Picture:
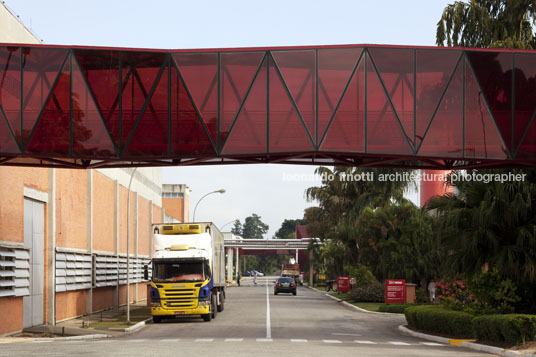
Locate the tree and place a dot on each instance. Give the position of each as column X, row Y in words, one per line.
column 237, row 228
column 488, row 23
column 254, row 228
column 288, row 228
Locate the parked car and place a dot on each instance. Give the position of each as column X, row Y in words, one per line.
column 246, row 273
column 285, row 284
column 259, row 273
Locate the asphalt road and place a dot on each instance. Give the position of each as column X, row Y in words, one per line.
column 255, row 322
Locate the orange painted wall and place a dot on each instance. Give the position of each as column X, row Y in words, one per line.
column 103, row 298
column 10, row 314
column 142, row 291
column 103, row 213
column 71, row 207
column 122, row 218
column 174, row 208
column 70, row 304
column 12, row 182
column 123, row 294
column 144, row 226
column 157, row 214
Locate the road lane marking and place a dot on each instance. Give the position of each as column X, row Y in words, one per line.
column 298, row 340
column 365, row 342
column 268, row 327
column 331, row 341
column 141, row 340
column 170, row 340
column 264, row 340
column 204, row 340
column 431, row 344
column 397, row 343
column 234, row 339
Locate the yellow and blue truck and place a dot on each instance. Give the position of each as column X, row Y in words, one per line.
column 188, row 271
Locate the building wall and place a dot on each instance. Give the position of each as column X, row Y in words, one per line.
column 70, row 304
column 13, row 31
column 175, row 208
column 144, row 227
column 103, row 205
column 10, row 315
column 71, row 209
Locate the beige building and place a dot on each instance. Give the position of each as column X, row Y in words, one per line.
column 63, row 233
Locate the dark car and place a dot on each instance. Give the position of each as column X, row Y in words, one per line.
column 246, row 273
column 285, row 285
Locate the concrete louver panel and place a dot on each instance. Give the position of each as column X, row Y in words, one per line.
column 14, row 271
column 73, row 271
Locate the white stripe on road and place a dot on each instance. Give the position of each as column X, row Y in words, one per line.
column 264, row 340
column 268, row 327
column 346, row 334
column 297, row 340
column 399, row 343
column 170, row 340
column 234, row 339
column 137, row 340
column 331, row 341
column 204, row 340
column 365, row 342
column 431, row 344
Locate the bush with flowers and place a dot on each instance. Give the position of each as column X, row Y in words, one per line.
column 453, row 294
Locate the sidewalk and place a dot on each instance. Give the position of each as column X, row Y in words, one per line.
column 102, row 324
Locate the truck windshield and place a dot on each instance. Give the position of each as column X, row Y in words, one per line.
column 183, row 271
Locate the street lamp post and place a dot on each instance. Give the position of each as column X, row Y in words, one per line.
column 217, row 191
column 228, row 223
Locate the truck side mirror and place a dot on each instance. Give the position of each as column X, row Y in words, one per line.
column 145, row 272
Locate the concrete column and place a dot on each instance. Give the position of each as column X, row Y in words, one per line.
column 238, row 267
column 151, row 229
column 51, row 248
column 311, row 268
column 116, row 239
column 297, row 256
column 89, row 232
column 136, row 227
column 230, row 264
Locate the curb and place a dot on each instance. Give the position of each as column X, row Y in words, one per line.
column 351, row 305
column 132, row 328
column 471, row 345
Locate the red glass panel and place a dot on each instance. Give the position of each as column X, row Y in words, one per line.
column 445, row 134
column 10, row 87
column 90, row 137
column 200, row 74
column 384, row 132
column 493, row 71
column 395, row 67
column 51, row 134
column 482, row 140
column 248, row 135
column 287, row 132
column 335, row 68
column 236, row 75
column 139, row 72
column 346, row 132
column 151, row 135
column 188, row 136
column 41, row 67
column 7, row 142
column 298, row 71
column 101, row 70
column 525, row 92
column 434, row 69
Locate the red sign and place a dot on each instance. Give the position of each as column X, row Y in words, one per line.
column 395, row 291
column 343, row 284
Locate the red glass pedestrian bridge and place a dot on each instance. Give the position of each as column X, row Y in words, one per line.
column 353, row 105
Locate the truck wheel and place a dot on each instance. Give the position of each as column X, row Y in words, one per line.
column 221, row 305
column 213, row 306
column 207, row 317
column 157, row 319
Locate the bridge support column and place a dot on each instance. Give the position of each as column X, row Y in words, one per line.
column 238, row 268
column 297, row 262
column 230, row 264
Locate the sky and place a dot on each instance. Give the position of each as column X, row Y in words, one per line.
column 274, row 192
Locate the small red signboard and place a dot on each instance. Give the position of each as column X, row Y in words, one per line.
column 395, row 291
column 343, row 284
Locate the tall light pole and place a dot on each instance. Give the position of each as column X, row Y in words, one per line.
column 228, row 223
column 217, row 191
column 128, row 247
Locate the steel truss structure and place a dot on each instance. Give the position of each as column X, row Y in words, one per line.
column 352, row 105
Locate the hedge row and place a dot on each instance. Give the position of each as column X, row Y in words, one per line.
column 511, row 329
column 436, row 319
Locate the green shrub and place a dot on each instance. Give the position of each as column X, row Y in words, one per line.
column 435, row 319
column 370, row 293
column 492, row 294
column 511, row 329
column 421, row 296
column 394, row 308
column 362, row 274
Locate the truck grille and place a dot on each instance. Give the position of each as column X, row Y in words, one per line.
column 179, row 299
